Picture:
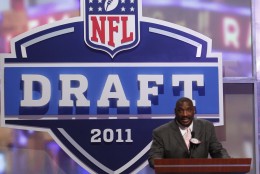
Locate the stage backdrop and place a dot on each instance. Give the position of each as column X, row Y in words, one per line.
column 100, row 83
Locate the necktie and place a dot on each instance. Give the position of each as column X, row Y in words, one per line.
column 187, row 137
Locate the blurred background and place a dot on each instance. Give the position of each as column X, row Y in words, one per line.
column 233, row 25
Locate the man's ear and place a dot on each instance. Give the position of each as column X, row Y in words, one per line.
column 194, row 109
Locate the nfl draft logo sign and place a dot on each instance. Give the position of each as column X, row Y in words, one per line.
column 111, row 25
column 100, row 83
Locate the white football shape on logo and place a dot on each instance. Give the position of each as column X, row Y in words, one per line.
column 110, row 4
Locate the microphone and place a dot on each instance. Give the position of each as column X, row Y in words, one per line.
column 191, row 144
column 192, row 134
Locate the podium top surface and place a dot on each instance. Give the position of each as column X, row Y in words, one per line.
column 202, row 165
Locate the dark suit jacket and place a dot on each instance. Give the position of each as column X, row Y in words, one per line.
column 169, row 143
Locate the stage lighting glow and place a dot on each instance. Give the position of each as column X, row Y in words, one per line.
column 33, row 24
column 49, row 8
column 51, row 20
column 65, row 16
column 5, row 5
column 8, row 38
column 53, row 147
column 2, row 163
column 197, row 4
column 22, row 139
column 161, row 2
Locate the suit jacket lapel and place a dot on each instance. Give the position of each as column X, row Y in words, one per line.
column 197, row 129
column 177, row 135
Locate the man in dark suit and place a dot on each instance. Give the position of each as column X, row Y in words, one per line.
column 169, row 139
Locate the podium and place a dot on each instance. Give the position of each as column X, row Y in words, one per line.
column 202, row 165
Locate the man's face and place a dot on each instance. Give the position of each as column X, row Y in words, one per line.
column 184, row 113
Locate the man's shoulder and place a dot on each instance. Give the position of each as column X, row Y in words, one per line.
column 165, row 126
column 203, row 122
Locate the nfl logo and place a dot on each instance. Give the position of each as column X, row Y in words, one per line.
column 111, row 25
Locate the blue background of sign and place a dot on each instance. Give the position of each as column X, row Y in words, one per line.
column 153, row 47
column 97, row 77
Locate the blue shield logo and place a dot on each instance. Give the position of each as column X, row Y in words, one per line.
column 101, row 108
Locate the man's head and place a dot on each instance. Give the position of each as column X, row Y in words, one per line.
column 184, row 111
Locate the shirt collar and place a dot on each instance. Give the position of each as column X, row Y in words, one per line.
column 183, row 129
